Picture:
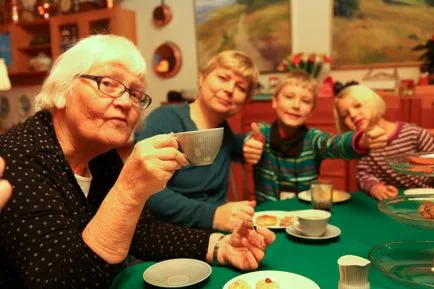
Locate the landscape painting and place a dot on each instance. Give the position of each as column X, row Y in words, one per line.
column 372, row 32
column 260, row 28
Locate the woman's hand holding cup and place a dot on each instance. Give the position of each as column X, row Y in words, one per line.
column 150, row 166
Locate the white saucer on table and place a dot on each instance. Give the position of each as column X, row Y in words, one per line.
column 177, row 273
column 338, row 196
column 330, row 233
column 285, row 280
column 278, row 214
column 419, row 191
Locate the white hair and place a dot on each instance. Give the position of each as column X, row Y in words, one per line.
column 89, row 52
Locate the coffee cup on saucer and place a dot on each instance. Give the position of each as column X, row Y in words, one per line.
column 312, row 222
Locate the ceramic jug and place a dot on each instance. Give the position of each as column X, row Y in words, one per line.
column 354, row 271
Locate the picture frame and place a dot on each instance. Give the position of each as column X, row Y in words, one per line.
column 260, row 28
column 369, row 34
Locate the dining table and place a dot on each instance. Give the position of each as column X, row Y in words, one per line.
column 363, row 226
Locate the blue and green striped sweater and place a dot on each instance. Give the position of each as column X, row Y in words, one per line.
column 295, row 174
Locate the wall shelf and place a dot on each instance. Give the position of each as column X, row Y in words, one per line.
column 63, row 31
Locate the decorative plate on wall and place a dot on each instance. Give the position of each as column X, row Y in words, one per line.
column 4, row 107
column 24, row 105
column 167, row 60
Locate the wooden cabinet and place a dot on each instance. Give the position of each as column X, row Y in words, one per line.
column 103, row 21
column 62, row 31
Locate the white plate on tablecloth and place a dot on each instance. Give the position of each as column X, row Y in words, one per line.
column 338, row 196
column 278, row 214
column 177, row 273
column 419, row 191
column 286, row 280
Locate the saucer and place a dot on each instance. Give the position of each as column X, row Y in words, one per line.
column 177, row 273
column 330, row 233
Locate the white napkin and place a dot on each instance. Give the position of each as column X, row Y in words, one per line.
column 5, row 83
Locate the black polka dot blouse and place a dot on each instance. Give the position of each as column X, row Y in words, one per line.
column 41, row 226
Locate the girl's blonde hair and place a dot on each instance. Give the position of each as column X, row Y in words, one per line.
column 363, row 94
column 87, row 53
column 238, row 62
column 299, row 78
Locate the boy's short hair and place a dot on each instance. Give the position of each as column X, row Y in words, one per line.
column 299, row 78
column 364, row 95
column 238, row 62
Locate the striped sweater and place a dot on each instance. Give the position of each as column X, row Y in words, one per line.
column 295, row 174
column 373, row 169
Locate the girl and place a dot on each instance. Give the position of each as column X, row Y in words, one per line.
column 356, row 108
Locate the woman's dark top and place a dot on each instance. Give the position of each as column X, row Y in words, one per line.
column 41, row 226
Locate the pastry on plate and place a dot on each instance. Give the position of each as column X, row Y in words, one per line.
column 266, row 220
column 426, row 210
column 286, row 221
column 267, row 283
column 239, row 284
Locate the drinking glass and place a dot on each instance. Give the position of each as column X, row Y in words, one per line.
column 322, row 195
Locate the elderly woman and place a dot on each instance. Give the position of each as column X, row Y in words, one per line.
column 5, row 186
column 77, row 210
column 197, row 196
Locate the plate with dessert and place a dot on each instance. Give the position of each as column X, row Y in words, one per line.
column 416, row 210
column 274, row 219
column 416, row 163
column 338, row 196
column 270, row 280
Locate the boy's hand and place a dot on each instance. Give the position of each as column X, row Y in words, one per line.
column 254, row 146
column 375, row 137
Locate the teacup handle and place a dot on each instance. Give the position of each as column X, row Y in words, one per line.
column 296, row 227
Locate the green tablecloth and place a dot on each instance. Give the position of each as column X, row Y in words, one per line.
column 363, row 227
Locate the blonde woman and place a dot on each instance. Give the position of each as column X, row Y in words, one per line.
column 197, row 196
column 356, row 107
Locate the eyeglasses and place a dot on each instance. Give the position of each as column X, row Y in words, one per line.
column 115, row 89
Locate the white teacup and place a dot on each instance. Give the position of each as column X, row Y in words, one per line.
column 201, row 146
column 312, row 222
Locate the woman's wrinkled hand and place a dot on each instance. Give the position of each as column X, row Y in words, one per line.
column 245, row 247
column 230, row 215
column 150, row 166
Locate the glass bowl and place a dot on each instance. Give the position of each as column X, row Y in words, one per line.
column 405, row 210
column 402, row 165
column 409, row 262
